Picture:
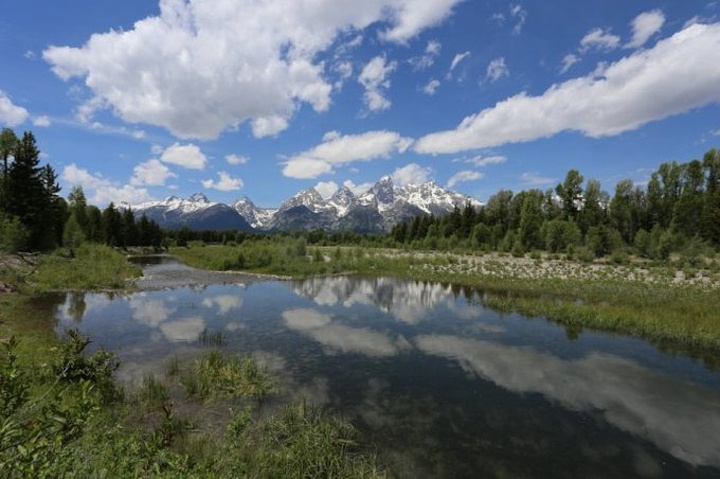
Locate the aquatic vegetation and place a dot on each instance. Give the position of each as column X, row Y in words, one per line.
column 216, row 375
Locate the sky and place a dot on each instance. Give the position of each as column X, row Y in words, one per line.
column 140, row 100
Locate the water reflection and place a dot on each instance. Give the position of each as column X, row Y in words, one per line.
column 407, row 301
column 678, row 417
column 444, row 386
column 340, row 338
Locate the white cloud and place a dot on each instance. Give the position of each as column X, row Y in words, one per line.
column 234, row 159
column 716, row 132
column 336, row 149
column 481, row 161
column 345, row 69
column 268, row 125
column 42, row 121
column 497, row 69
column 105, row 191
column 411, row 174
column 10, row 114
column 431, row 87
column 465, row 175
column 534, row 179
column 412, row 16
column 521, row 14
column 433, row 47
column 326, row 188
column 618, row 97
column 568, row 61
column 226, row 183
column 427, row 60
column 202, row 67
column 644, row 26
column 156, row 149
column 357, row 189
column 374, row 78
column 457, row 59
column 599, row 39
column 187, row 156
column 151, row 173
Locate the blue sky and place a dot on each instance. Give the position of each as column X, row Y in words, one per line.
column 140, row 100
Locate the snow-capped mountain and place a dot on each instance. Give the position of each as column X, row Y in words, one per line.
column 376, row 210
column 259, row 218
column 196, row 213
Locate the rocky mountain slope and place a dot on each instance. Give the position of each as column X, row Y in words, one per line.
column 374, row 211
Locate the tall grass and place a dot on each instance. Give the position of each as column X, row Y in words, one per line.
column 92, row 267
column 216, row 375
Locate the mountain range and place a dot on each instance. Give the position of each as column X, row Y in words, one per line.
column 376, row 210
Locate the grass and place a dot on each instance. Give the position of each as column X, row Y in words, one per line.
column 93, row 267
column 216, row 375
column 629, row 298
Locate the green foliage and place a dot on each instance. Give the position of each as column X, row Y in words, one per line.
column 92, row 267
column 13, row 234
column 603, row 240
column 558, row 235
column 73, row 235
column 216, row 375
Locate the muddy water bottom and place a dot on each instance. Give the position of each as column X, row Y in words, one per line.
column 443, row 386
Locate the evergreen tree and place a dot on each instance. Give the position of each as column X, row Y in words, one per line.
column 31, row 193
column 112, row 226
column 129, row 228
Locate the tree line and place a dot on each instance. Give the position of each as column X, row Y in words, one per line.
column 33, row 215
column 679, row 207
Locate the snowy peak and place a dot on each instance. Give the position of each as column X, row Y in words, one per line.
column 342, row 200
column 198, row 198
column 309, row 197
column 377, row 210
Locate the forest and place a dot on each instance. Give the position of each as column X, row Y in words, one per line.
column 678, row 209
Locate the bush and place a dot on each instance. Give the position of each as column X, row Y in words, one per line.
column 603, row 240
column 13, row 234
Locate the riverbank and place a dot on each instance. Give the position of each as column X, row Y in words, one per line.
column 658, row 301
column 63, row 414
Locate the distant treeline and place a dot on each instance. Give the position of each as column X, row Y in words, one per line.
column 679, row 206
column 33, row 216
column 678, row 209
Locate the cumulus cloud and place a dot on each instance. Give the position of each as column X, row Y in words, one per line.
column 411, row 174
column 10, row 114
column 187, row 156
column 236, row 159
column 337, row 149
column 151, row 173
column 497, row 69
column 465, row 175
column 412, row 16
column 357, row 189
column 202, row 67
column 644, row 26
column 615, row 98
column 374, row 78
column 326, row 188
column 104, row 190
column 599, row 39
column 568, row 61
column 225, row 183
column 431, row 87
column 42, row 121
column 534, row 179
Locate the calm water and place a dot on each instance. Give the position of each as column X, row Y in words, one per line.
column 443, row 386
